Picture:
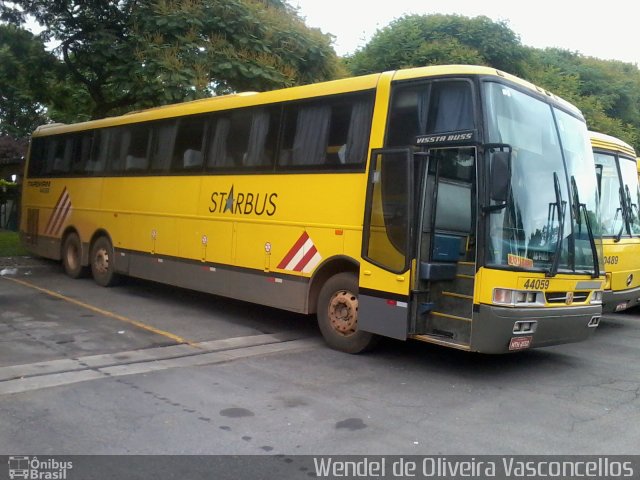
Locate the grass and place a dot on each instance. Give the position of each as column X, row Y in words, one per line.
column 10, row 244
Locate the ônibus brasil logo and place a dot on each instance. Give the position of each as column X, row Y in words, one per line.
column 32, row 468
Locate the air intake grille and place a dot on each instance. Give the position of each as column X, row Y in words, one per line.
column 561, row 297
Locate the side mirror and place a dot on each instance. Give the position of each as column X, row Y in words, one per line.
column 500, row 175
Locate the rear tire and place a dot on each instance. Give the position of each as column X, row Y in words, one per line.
column 103, row 263
column 72, row 256
column 338, row 315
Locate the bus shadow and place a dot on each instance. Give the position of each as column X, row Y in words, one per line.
column 431, row 358
column 261, row 318
column 409, row 354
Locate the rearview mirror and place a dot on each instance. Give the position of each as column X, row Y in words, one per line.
column 500, row 176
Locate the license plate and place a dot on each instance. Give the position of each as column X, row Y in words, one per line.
column 520, row 343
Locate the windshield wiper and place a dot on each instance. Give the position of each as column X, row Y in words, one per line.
column 625, row 214
column 631, row 206
column 592, row 241
column 553, row 270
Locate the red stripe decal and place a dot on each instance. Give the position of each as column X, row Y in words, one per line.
column 55, row 211
column 305, row 259
column 292, row 252
column 64, row 208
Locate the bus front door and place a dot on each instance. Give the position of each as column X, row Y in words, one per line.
column 442, row 296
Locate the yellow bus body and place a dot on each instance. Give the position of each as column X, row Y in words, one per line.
column 621, row 255
column 232, row 234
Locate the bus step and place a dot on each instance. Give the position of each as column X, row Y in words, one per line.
column 456, row 328
column 466, row 268
column 440, row 340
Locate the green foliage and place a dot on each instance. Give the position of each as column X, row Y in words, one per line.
column 419, row 40
column 10, row 244
column 25, row 73
column 607, row 91
column 133, row 54
column 118, row 56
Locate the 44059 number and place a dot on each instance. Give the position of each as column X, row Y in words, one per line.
column 536, row 284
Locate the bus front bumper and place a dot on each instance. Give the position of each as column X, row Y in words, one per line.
column 504, row 329
column 621, row 300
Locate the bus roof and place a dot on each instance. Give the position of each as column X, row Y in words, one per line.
column 246, row 99
column 608, row 142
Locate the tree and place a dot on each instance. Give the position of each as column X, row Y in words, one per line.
column 607, row 91
column 136, row 53
column 419, row 40
column 25, row 71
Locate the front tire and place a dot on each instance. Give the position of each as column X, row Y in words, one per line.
column 338, row 315
column 72, row 256
column 103, row 263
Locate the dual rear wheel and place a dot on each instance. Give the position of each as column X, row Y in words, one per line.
column 101, row 259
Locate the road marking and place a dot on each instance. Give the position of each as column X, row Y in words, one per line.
column 228, row 351
column 176, row 338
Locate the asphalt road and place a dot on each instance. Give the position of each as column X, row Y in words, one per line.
column 147, row 369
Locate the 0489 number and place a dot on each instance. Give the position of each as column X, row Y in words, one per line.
column 536, row 284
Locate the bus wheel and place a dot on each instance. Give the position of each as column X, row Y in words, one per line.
column 338, row 315
column 72, row 256
column 102, row 262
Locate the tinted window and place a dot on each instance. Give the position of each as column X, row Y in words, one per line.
column 428, row 108
column 81, row 152
column 164, row 135
column 99, row 152
column 60, row 151
column 189, row 144
column 244, row 139
column 37, row 157
column 326, row 132
column 135, row 142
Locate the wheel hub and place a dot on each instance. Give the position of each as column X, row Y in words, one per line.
column 101, row 261
column 343, row 312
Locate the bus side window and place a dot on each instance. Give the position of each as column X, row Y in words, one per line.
column 187, row 151
column 99, row 152
column 238, row 138
column 217, row 154
column 354, row 149
column 37, row 157
column 62, row 150
column 306, row 131
column 163, row 139
column 262, row 139
column 326, row 132
column 135, row 147
column 81, row 152
column 115, row 156
column 245, row 139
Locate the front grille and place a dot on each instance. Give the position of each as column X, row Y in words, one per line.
column 561, row 297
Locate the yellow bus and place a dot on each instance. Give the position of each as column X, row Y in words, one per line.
column 616, row 168
column 448, row 204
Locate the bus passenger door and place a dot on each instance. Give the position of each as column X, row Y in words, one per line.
column 388, row 244
column 442, row 296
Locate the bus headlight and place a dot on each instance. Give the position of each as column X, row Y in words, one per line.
column 517, row 298
column 502, row 296
column 596, row 297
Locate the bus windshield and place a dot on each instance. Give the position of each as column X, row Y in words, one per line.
column 550, row 215
column 631, row 193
